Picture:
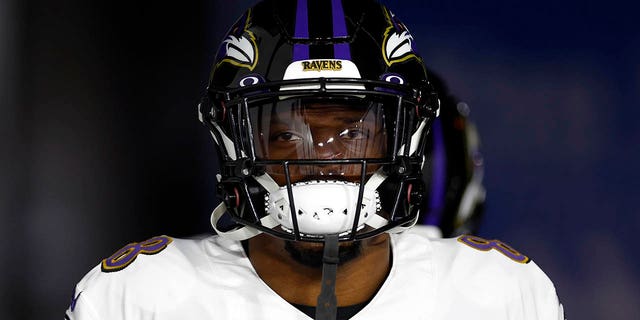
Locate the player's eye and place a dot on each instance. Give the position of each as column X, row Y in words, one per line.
column 285, row 136
column 353, row 134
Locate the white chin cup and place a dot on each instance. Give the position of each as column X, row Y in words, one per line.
column 323, row 206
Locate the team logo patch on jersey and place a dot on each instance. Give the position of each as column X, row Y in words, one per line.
column 125, row 256
column 398, row 42
column 239, row 47
column 321, row 65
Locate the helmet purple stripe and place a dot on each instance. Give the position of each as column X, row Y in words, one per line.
column 340, row 50
column 301, row 51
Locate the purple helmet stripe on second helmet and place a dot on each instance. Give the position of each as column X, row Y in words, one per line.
column 301, row 51
column 438, row 176
column 340, row 50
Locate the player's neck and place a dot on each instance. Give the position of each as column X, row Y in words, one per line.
column 357, row 280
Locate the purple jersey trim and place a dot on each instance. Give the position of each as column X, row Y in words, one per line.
column 301, row 51
column 74, row 300
column 340, row 50
column 438, row 177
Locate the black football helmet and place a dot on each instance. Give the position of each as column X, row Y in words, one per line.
column 320, row 111
column 455, row 196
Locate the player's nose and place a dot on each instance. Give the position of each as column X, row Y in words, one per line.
column 327, row 148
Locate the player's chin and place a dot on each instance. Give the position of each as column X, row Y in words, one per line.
column 310, row 253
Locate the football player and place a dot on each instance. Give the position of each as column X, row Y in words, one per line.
column 320, row 110
column 454, row 200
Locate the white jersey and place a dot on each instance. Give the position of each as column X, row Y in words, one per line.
column 212, row 278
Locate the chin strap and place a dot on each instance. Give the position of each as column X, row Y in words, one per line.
column 244, row 232
column 378, row 177
column 240, row 233
column 377, row 221
column 327, row 303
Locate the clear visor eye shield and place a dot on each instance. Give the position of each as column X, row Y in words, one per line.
column 303, row 159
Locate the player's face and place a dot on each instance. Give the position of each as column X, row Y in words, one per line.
column 324, row 130
column 319, row 129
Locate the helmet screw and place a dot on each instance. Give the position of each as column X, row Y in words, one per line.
column 244, row 167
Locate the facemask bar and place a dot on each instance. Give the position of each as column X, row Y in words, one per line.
column 241, row 166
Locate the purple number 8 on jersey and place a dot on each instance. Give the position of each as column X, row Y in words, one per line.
column 486, row 245
column 125, row 256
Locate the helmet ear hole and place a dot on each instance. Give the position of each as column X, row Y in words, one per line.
column 219, row 111
column 210, row 112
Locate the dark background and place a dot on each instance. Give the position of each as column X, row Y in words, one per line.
column 100, row 144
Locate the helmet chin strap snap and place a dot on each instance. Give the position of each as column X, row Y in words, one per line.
column 327, row 303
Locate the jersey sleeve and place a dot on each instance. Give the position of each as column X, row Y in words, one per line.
column 534, row 296
column 80, row 307
column 494, row 281
column 131, row 283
